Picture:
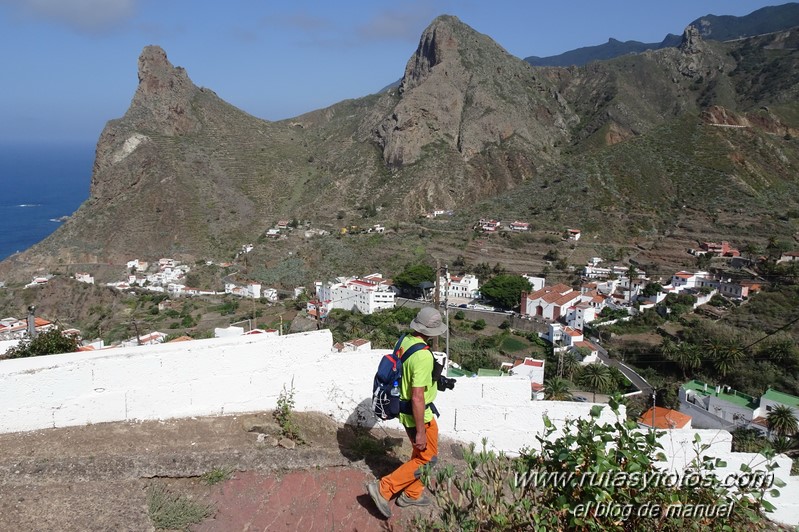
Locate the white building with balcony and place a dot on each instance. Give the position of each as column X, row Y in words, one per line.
column 365, row 295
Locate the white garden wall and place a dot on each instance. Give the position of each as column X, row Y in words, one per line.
column 247, row 374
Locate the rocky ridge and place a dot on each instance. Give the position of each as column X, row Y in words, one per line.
column 185, row 174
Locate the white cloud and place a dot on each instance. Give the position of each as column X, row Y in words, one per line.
column 81, row 15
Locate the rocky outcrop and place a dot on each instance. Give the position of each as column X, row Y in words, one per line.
column 463, row 92
column 163, row 97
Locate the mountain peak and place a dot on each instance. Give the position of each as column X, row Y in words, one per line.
column 439, row 41
column 691, row 40
column 164, row 94
column 462, row 92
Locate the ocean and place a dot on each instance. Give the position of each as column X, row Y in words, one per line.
column 40, row 183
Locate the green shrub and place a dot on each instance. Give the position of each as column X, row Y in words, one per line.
column 284, row 415
column 52, row 342
column 558, row 487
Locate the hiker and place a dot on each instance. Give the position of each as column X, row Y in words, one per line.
column 418, row 388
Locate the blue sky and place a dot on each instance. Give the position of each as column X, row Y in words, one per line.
column 70, row 65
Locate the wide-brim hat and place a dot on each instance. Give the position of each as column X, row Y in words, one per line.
column 428, row 322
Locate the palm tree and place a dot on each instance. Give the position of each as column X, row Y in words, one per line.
column 596, row 377
column 557, row 389
column 570, row 365
column 782, row 421
column 687, row 357
column 632, row 273
column 723, row 354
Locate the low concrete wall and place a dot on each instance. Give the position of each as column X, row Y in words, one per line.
column 248, row 373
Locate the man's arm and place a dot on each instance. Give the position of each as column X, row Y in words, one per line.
column 418, row 408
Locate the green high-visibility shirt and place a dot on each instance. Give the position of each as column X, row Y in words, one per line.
column 417, row 372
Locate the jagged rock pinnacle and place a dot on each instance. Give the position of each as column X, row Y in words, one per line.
column 691, row 41
column 164, row 94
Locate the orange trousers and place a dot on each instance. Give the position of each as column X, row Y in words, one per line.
column 406, row 477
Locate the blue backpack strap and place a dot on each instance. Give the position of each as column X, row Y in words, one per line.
column 412, row 349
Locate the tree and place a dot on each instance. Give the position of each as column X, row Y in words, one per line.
column 723, row 354
column 751, row 250
column 409, row 280
column 652, row 289
column 505, row 290
column 687, row 357
column 632, row 273
column 557, row 389
column 596, row 377
column 570, row 365
column 50, row 342
column 782, row 421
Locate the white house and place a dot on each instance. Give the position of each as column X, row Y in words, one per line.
column 683, row 280
column 84, row 278
column 138, row 265
column 519, row 226
column 536, row 283
column 581, row 314
column 453, row 286
column 365, row 295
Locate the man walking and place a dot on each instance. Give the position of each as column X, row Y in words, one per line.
column 417, row 388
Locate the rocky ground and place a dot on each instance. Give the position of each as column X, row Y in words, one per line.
column 98, row 477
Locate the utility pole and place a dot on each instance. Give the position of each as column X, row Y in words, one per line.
column 446, row 304
column 136, row 328
column 32, row 322
column 437, row 298
column 654, row 400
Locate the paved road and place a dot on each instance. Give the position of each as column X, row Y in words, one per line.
column 637, row 380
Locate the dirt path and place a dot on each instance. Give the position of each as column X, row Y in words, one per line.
column 97, row 477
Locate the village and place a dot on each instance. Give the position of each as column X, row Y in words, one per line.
column 560, row 312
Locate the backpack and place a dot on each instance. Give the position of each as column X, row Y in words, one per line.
column 388, row 379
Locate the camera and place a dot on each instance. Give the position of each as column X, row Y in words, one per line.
column 445, row 383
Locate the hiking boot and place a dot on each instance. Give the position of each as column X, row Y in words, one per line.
column 403, row 501
column 374, row 492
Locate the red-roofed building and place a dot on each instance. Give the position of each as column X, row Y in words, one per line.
column 551, row 302
column 722, row 250
column 519, row 226
column 531, row 368
column 664, row 419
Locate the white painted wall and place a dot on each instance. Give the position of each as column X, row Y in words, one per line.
column 247, row 373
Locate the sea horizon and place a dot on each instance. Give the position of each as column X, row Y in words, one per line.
column 42, row 182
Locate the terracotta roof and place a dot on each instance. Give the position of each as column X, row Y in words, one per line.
column 761, row 421
column 665, row 418
column 181, row 339
column 537, row 387
column 586, row 344
column 359, row 342
column 533, row 362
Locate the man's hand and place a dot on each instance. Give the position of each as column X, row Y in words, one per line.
column 421, row 438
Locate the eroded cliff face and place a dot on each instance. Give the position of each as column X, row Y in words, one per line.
column 463, row 91
column 161, row 106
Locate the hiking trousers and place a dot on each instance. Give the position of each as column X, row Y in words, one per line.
column 406, row 477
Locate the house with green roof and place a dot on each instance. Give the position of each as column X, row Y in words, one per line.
column 721, row 407
column 716, row 407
